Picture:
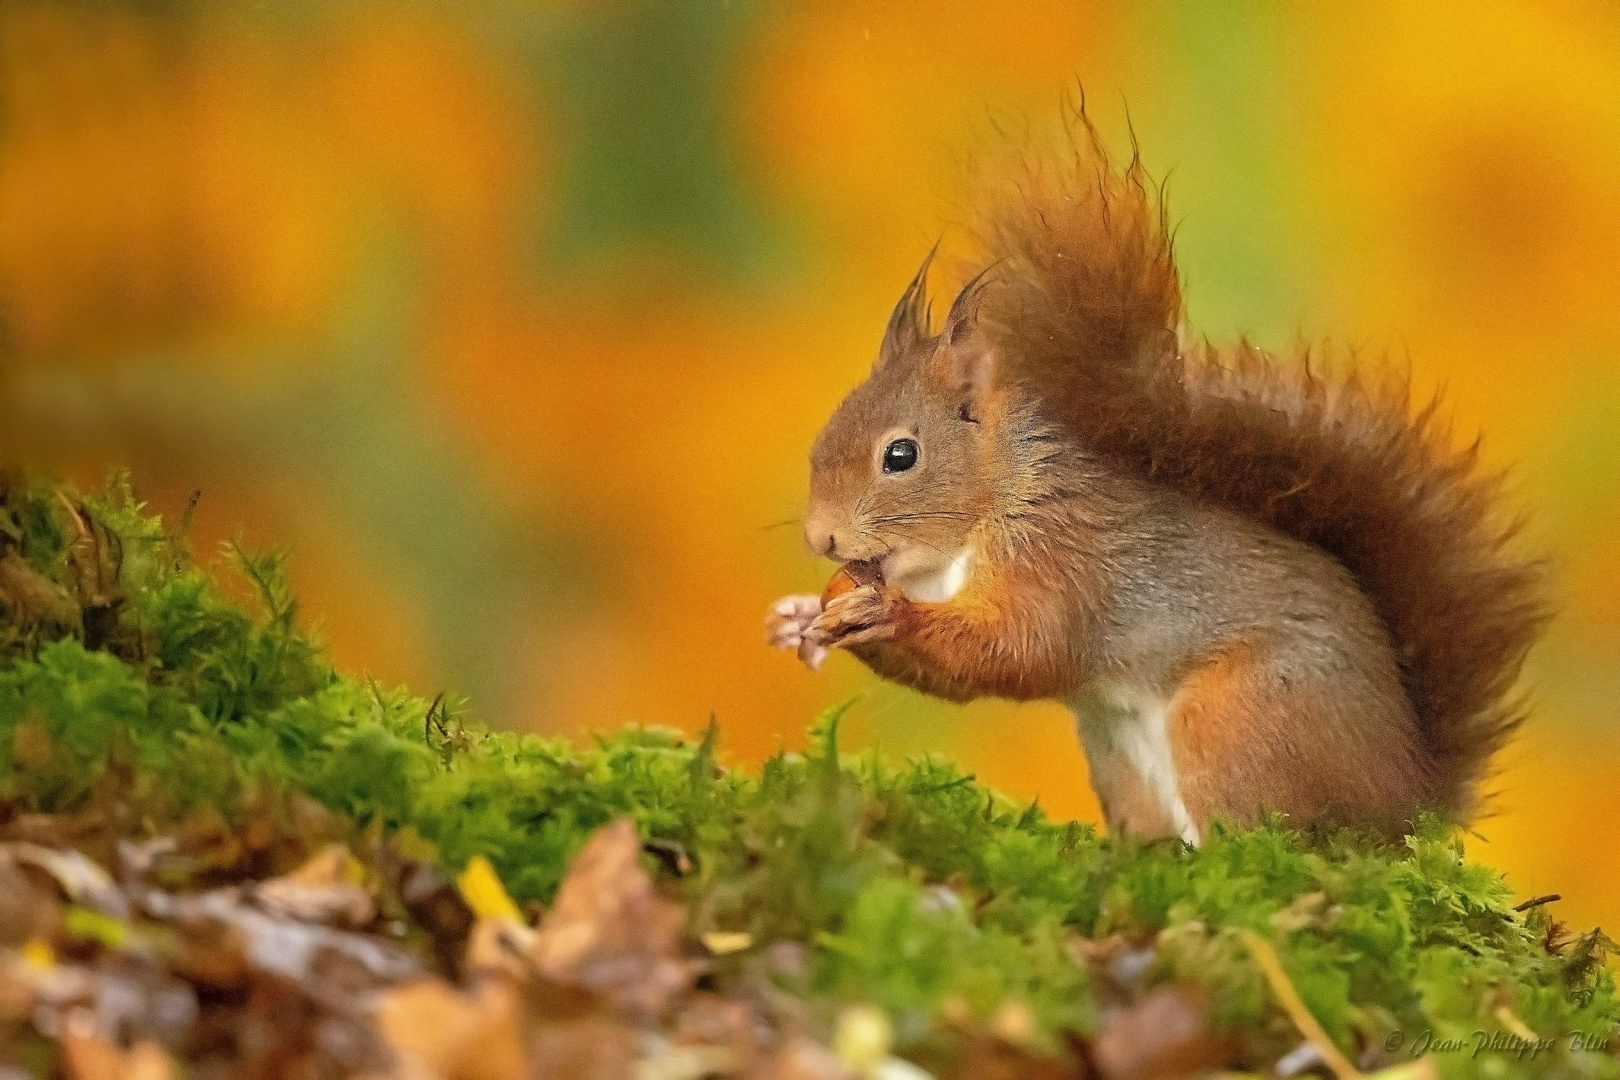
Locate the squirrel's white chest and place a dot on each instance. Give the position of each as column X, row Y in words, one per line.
column 1126, row 734
column 931, row 581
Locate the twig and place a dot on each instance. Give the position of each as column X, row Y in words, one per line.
column 1266, row 957
column 1537, row 901
column 1508, row 1019
column 432, row 718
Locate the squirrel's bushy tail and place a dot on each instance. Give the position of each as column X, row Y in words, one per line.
column 1086, row 310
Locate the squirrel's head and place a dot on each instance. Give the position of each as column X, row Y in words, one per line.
column 904, row 469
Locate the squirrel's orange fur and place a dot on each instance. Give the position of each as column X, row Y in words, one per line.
column 1259, row 586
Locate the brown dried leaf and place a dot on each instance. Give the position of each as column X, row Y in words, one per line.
column 1119, row 964
column 16, row 988
column 984, row 1058
column 609, row 932
column 91, row 1057
column 209, row 845
column 1306, row 910
column 211, row 954
column 51, row 830
column 688, row 1063
column 498, row 945
column 95, row 556
column 323, row 890
column 434, row 904
column 587, row 1048
column 28, row 910
column 31, row 745
column 802, row 1058
column 79, row 878
column 455, row 1035
column 29, row 600
column 146, row 1060
column 285, row 947
column 287, row 1028
column 1013, row 1023
column 709, row 1019
column 1165, row 1035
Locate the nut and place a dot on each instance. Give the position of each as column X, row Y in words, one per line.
column 852, row 575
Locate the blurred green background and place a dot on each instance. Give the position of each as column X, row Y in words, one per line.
column 514, row 321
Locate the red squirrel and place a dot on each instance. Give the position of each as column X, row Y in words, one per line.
column 1257, row 586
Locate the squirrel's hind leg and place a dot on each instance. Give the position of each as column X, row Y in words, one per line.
column 1255, row 730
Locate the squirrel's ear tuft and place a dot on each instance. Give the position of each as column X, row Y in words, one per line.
column 908, row 325
column 964, row 314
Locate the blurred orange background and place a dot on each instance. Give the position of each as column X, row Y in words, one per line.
column 514, row 321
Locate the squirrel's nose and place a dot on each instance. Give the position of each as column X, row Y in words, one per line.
column 821, row 539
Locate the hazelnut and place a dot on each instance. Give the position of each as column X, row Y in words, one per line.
column 852, row 575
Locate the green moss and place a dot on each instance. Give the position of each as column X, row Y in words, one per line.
column 907, row 886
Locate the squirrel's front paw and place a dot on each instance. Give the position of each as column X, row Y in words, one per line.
column 787, row 625
column 857, row 617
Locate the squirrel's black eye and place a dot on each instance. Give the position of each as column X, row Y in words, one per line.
column 900, row 455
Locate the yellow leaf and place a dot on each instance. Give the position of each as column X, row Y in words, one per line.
column 722, row 942
column 484, row 892
column 862, row 1037
column 37, row 953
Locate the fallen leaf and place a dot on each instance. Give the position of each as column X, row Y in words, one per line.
column 79, row 878
column 893, row 1068
column 1013, row 1022
column 1306, row 910
column 146, row 1060
column 687, row 1063
column 609, row 932
column 453, row 1034
column 435, row 904
column 484, row 893
column 862, row 1036
column 37, row 954
column 984, row 1057
column 1122, row 964
column 587, row 1048
column 91, row 1057
column 136, row 858
column 16, row 987
column 88, row 925
column 708, row 1018
column 500, row 945
column 278, row 945
column 28, row 908
column 210, row 953
column 29, row 599
column 1165, row 1035
column 723, row 943
column 326, row 889
column 801, row 1058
